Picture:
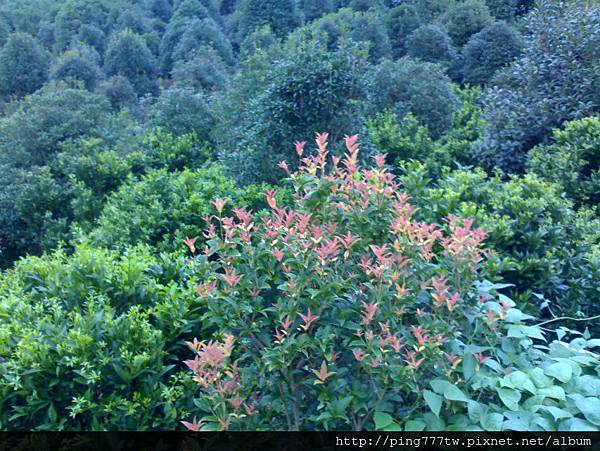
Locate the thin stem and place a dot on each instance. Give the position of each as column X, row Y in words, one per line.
column 569, row 318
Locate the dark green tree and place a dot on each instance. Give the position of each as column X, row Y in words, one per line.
column 401, row 21
column 281, row 15
column 313, row 9
column 494, row 47
column 78, row 64
column 557, row 79
column 263, row 38
column 465, row 19
column 509, row 9
column 181, row 110
column 119, row 92
column 203, row 69
column 46, row 120
column 307, row 89
column 78, row 18
column 23, row 66
column 413, row 86
column 365, row 28
column 203, row 32
column 430, row 43
column 128, row 55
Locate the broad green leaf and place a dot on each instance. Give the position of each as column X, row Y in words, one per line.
column 561, row 371
column 382, row 420
column 539, row 378
column 433, row 423
column 555, row 392
column 468, row 366
column 450, row 391
column 590, row 408
column 518, row 380
column 557, row 414
column 492, row 421
column 414, row 425
column 509, row 397
column 590, row 385
column 476, row 410
column 520, row 331
column 434, row 401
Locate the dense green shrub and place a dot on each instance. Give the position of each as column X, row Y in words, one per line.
column 163, row 208
column 79, row 64
column 572, row 160
column 46, row 120
column 493, row 48
column 119, row 92
column 519, row 387
column 430, row 43
column 82, row 19
column 509, row 9
column 281, row 15
column 181, row 110
column 23, row 66
column 128, row 55
column 307, row 88
column 202, row 69
column 200, row 33
column 409, row 85
column 543, row 246
column 314, row 9
column 88, row 342
column 366, row 28
column 465, row 19
column 401, row 21
column 554, row 81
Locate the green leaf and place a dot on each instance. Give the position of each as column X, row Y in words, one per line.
column 561, row 371
column 509, row 397
column 492, row 421
column 557, row 414
column 382, row 420
column 555, row 392
column 450, row 391
column 590, row 385
column 525, row 331
column 468, row 366
column 414, row 426
column 590, row 408
column 539, row 378
column 518, row 379
column 476, row 410
column 434, row 401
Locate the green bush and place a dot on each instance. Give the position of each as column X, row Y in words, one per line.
column 572, row 160
column 430, row 43
column 519, row 386
column 543, row 246
column 409, row 85
column 87, row 342
column 23, row 66
column 163, row 208
column 555, row 80
column 333, row 310
column 488, row 51
column 406, row 138
column 465, row 19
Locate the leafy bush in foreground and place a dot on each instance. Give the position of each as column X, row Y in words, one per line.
column 328, row 312
column 572, row 160
column 163, row 208
column 87, row 341
column 544, row 246
column 347, row 312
